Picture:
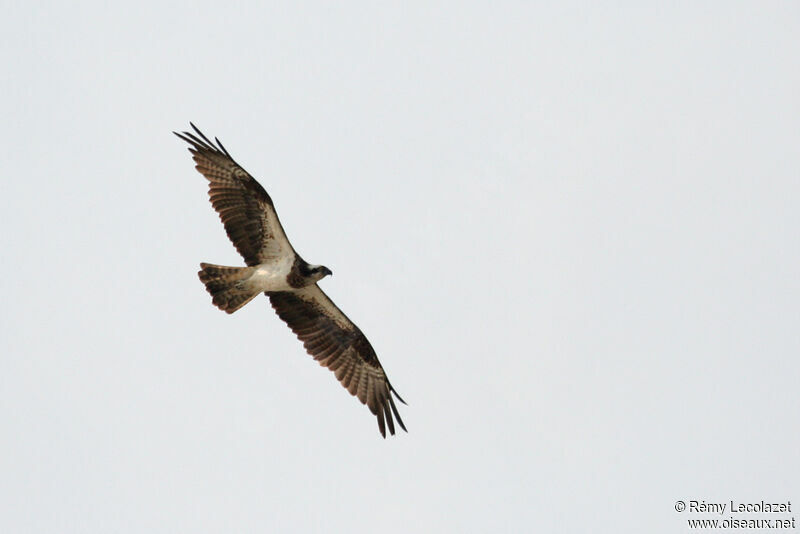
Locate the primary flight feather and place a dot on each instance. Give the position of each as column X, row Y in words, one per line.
column 274, row 268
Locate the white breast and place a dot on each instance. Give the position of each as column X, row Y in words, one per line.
column 272, row 276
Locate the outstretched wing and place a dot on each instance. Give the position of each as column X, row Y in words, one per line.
column 336, row 343
column 243, row 205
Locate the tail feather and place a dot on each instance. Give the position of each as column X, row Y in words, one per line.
column 227, row 285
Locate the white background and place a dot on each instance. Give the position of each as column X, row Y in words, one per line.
column 571, row 234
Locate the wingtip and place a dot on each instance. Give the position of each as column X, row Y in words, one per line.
column 224, row 150
column 397, row 414
column 381, row 423
column 399, row 397
column 389, row 420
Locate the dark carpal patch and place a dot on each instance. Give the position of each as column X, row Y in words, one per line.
column 298, row 276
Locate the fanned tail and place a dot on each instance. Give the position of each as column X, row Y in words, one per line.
column 227, row 285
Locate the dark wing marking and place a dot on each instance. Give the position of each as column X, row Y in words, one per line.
column 336, row 343
column 243, row 205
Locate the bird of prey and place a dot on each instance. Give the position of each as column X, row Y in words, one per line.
column 274, row 268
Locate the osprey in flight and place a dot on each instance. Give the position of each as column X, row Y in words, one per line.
column 274, row 268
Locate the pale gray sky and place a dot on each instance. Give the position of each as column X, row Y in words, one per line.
column 571, row 233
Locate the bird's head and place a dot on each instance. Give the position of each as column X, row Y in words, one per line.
column 318, row 272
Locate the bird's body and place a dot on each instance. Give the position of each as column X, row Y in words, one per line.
column 275, row 269
column 272, row 276
column 233, row 287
